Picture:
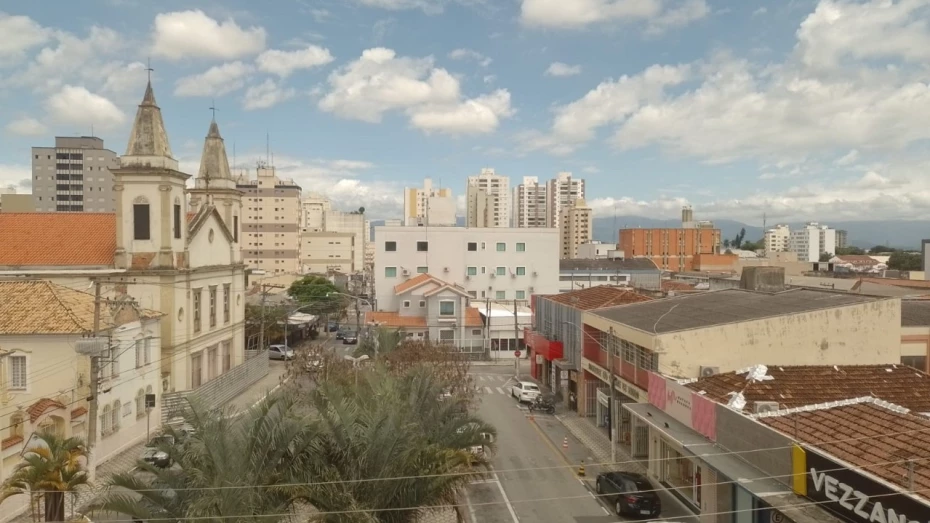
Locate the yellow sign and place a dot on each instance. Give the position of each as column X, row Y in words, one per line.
column 622, row 385
column 799, row 470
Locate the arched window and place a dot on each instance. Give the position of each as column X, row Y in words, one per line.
column 17, row 421
column 117, row 408
column 105, row 419
column 140, row 403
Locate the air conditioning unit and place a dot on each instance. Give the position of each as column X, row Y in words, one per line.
column 494, row 275
column 761, row 407
column 532, row 290
column 405, row 272
column 535, row 273
column 446, row 269
column 709, row 371
column 467, row 277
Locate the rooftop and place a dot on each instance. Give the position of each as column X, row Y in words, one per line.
column 799, row 385
column 42, row 307
column 696, row 311
column 866, row 433
column 597, row 297
column 857, row 259
column 37, row 239
column 631, row 264
column 915, row 313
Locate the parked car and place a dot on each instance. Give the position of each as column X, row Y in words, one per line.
column 350, row 338
column 154, row 454
column 340, row 335
column 332, row 327
column 524, row 391
column 630, row 493
column 280, row 352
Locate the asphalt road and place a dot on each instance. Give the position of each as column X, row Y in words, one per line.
column 532, row 481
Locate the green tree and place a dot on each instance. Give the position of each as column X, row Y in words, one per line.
column 905, row 261
column 274, row 322
column 738, row 241
column 726, row 243
column 318, row 293
column 387, row 341
column 843, row 251
column 878, row 249
column 752, row 245
column 825, row 256
column 51, row 466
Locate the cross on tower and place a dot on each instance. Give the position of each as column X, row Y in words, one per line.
column 213, row 108
column 149, row 69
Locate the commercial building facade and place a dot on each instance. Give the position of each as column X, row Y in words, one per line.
column 271, row 222
column 488, row 200
column 331, row 240
column 640, row 273
column 670, row 249
column 73, row 176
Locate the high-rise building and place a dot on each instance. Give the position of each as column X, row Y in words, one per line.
column 562, row 191
column 488, row 196
column 812, row 240
column 313, row 209
column 271, row 222
column 428, row 206
column 575, row 228
column 530, row 204
column 331, row 240
column 841, row 238
column 73, row 176
column 776, row 239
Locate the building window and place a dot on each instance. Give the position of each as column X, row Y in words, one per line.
column 501, row 247
column 521, row 295
column 212, row 362
column 917, row 362
column 501, row 271
column 148, row 350
column 115, row 413
column 140, row 403
column 18, row 376
column 472, row 246
column 406, row 304
column 447, row 336
column 196, row 370
column 422, row 270
column 422, row 246
column 473, row 294
column 227, row 356
column 177, row 221
column 213, row 306
column 476, row 332
column 521, row 271
column 472, row 271
column 422, row 303
column 140, row 353
column 17, row 422
column 226, row 298
column 114, row 361
column 447, row 308
column 236, row 229
column 390, row 272
column 390, row 246
column 500, row 295
column 521, row 247
column 141, row 225
column 197, row 300
column 105, row 420
column 629, row 352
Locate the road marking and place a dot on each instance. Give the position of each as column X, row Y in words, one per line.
column 471, row 509
column 549, row 443
column 513, row 513
column 488, row 389
column 500, row 390
column 605, row 510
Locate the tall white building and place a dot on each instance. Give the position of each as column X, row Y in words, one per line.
column 776, row 239
column 488, row 196
column 562, row 191
column 331, row 240
column 810, row 241
column 530, row 204
column 490, row 263
column 429, row 206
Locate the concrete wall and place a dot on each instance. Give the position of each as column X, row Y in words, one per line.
column 216, row 392
column 737, row 433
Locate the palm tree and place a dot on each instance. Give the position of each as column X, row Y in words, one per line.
column 52, row 465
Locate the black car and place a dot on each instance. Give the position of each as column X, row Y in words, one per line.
column 154, row 454
column 340, row 335
column 630, row 493
column 350, row 338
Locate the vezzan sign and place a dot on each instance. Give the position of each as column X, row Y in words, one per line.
column 857, row 498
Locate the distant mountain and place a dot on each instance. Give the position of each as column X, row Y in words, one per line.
column 905, row 234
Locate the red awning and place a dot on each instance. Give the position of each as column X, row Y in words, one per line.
column 551, row 350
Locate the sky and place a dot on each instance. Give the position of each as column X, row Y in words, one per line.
column 796, row 109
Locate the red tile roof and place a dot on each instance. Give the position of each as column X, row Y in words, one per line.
column 40, row 407
column 674, row 285
column 55, row 239
column 869, row 434
column 473, row 317
column 799, row 385
column 896, row 282
column 9, row 442
column 858, row 259
column 597, row 297
column 191, row 216
column 412, row 282
column 394, row 319
column 78, row 412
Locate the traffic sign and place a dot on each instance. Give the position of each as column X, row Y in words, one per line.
column 516, row 353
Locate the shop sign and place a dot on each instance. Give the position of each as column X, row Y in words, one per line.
column 857, row 499
column 602, row 398
column 622, row 385
column 678, row 402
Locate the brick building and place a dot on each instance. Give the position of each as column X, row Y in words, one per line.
column 672, row 249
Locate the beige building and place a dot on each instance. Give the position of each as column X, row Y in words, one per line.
column 575, row 228
column 270, row 222
column 331, row 240
column 428, row 206
column 562, row 191
column 530, row 204
column 312, row 209
column 10, row 201
column 488, row 200
column 74, row 176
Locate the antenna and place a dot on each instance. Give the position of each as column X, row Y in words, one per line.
column 234, row 156
column 267, row 146
column 92, row 130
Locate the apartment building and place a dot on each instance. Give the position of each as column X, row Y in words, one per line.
column 812, row 240
column 270, row 222
column 575, row 228
column 312, row 209
column 530, row 203
column 331, row 240
column 562, row 191
column 776, row 239
column 842, row 237
column 428, row 206
column 488, row 263
column 598, row 250
column 488, row 196
column 670, row 249
column 74, row 175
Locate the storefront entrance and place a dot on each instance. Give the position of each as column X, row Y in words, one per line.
column 679, row 473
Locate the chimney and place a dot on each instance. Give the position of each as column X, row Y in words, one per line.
column 763, row 279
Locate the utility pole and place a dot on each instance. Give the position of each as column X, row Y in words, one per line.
column 516, row 340
column 261, row 334
column 94, row 386
column 614, row 414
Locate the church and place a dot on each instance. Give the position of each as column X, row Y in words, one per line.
column 169, row 248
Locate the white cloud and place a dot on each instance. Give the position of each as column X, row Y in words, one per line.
column 27, row 126
column 193, row 34
column 74, row 105
column 679, row 16
column 848, row 158
column 760, row 11
column 381, row 82
column 580, row 13
column 470, row 54
column 72, row 58
column 15, row 175
column 591, row 169
column 20, row 34
column 124, row 79
column 283, row 63
column 427, row 6
column 562, row 69
column 266, row 94
column 215, row 81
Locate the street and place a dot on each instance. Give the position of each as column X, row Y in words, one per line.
column 533, row 482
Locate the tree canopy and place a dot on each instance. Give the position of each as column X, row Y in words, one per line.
column 905, row 261
column 318, row 294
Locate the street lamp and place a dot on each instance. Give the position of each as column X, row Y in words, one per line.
column 355, row 362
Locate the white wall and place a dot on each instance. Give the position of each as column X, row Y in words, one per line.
column 448, row 258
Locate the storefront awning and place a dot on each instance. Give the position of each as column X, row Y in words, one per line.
column 727, row 464
column 548, row 349
column 300, row 318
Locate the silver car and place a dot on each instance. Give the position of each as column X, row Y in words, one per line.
column 280, row 352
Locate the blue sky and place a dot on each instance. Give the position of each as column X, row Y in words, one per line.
column 798, row 109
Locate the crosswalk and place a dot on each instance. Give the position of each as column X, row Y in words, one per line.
column 492, row 383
